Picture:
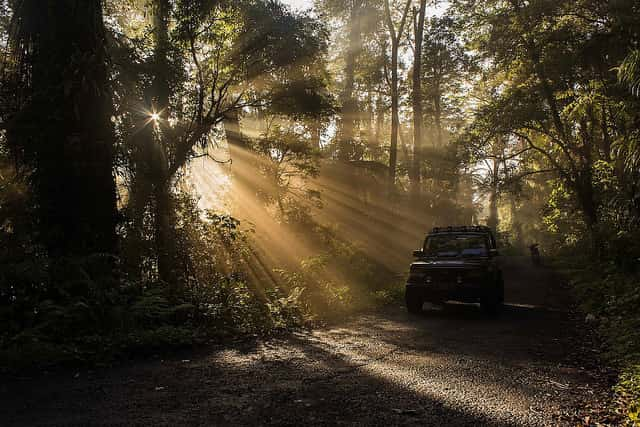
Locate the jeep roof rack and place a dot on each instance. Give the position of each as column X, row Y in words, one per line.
column 467, row 229
column 461, row 228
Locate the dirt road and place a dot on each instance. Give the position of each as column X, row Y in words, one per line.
column 445, row 367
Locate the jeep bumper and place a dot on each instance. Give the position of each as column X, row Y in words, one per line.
column 438, row 293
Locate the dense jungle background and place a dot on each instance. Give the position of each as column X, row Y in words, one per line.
column 179, row 171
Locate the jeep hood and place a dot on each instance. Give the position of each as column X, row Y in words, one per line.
column 450, row 263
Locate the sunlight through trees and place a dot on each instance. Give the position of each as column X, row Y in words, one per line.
column 208, row 164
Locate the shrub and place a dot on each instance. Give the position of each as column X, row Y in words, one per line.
column 613, row 296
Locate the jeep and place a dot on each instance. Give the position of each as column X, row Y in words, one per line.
column 456, row 264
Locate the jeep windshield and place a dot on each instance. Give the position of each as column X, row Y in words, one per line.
column 456, row 245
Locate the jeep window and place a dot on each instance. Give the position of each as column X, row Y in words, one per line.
column 456, row 245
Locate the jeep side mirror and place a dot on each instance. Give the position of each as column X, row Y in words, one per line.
column 493, row 252
column 418, row 253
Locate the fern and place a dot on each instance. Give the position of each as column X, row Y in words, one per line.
column 629, row 72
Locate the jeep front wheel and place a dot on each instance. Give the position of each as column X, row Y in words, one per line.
column 414, row 303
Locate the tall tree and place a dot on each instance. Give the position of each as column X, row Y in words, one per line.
column 208, row 61
column 554, row 89
column 159, row 140
column 349, row 111
column 443, row 70
column 395, row 35
column 416, row 96
column 61, row 122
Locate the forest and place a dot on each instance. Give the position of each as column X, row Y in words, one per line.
column 180, row 172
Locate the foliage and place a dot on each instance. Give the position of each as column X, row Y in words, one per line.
column 612, row 297
column 287, row 159
column 629, row 72
column 446, row 66
column 550, row 96
column 341, row 280
column 88, row 310
column 184, row 73
column 628, row 390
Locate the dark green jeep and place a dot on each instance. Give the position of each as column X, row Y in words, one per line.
column 456, row 264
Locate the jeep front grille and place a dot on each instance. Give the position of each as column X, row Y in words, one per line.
column 445, row 276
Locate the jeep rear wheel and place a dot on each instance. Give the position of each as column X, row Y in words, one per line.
column 492, row 302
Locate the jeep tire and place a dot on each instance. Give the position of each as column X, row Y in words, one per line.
column 414, row 302
column 491, row 302
column 501, row 290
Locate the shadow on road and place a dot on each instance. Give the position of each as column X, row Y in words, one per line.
column 454, row 366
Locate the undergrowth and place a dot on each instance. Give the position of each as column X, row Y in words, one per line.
column 93, row 320
column 340, row 280
column 611, row 297
column 100, row 308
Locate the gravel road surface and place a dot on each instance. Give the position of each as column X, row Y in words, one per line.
column 452, row 366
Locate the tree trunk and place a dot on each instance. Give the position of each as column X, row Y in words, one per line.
column 369, row 120
column 516, row 225
column 586, row 198
column 66, row 126
column 316, row 130
column 164, row 234
column 349, row 105
column 585, row 190
column 417, row 100
column 379, row 120
column 395, row 122
column 393, row 150
column 493, row 220
column 164, row 210
column 437, row 115
column 161, row 87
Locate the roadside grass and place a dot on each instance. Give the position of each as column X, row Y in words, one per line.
column 610, row 298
